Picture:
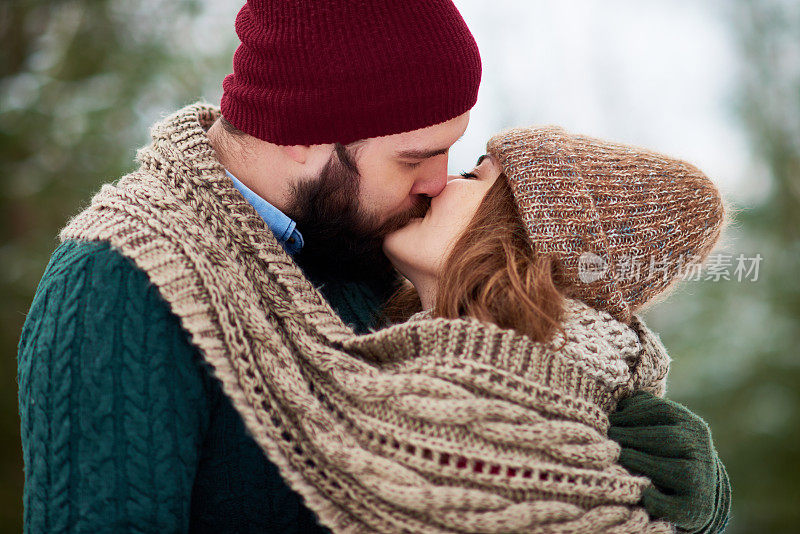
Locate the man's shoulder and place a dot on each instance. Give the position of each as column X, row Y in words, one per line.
column 93, row 275
column 92, row 262
column 73, row 258
column 94, row 302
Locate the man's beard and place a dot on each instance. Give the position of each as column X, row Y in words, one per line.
column 340, row 238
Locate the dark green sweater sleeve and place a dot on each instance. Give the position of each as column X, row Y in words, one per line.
column 111, row 399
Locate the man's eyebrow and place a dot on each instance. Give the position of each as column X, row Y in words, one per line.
column 421, row 154
column 425, row 154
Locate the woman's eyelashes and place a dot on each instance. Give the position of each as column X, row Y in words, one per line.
column 469, row 175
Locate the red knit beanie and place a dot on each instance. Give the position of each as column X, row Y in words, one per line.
column 311, row 72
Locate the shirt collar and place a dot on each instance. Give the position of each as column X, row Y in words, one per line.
column 284, row 228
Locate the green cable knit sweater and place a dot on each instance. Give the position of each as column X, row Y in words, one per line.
column 123, row 426
column 124, row 429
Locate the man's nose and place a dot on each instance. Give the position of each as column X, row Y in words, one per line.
column 432, row 184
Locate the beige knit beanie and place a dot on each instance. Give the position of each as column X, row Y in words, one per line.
column 622, row 222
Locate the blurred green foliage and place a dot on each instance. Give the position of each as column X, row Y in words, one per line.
column 735, row 344
column 80, row 81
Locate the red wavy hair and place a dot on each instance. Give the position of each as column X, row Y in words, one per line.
column 493, row 274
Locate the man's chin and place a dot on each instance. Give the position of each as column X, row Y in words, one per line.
column 412, row 223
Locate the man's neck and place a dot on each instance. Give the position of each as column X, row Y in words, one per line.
column 259, row 170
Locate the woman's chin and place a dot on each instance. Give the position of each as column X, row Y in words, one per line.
column 407, row 229
column 400, row 244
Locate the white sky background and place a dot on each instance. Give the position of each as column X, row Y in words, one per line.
column 655, row 73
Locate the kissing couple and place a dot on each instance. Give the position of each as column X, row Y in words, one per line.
column 289, row 318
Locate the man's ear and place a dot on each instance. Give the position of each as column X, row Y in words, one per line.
column 298, row 153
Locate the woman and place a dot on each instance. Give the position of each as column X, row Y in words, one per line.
column 560, row 238
column 503, row 242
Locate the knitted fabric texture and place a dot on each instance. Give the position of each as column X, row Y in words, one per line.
column 310, row 72
column 431, row 425
column 623, row 222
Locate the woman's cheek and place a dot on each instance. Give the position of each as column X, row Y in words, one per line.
column 441, row 243
column 396, row 244
column 406, row 247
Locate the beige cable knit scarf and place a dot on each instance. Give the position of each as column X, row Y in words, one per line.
column 427, row 426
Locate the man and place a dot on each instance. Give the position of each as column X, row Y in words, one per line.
column 337, row 122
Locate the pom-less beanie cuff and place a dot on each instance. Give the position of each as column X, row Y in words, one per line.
column 310, row 72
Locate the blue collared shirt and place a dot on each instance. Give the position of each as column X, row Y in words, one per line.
column 284, row 228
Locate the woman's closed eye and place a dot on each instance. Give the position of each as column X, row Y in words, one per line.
column 469, row 175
